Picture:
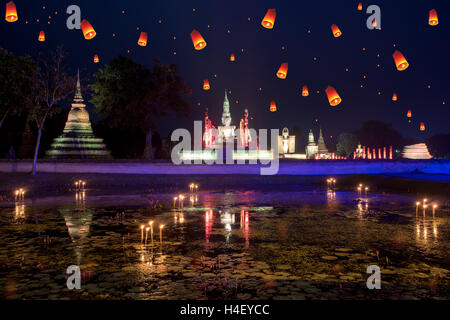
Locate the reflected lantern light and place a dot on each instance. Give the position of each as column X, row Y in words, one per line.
column 11, row 12
column 333, row 97
column 400, row 61
column 143, row 39
column 87, row 29
column 305, row 91
column 433, row 18
column 336, row 31
column 269, row 19
column 197, row 40
column 282, row 72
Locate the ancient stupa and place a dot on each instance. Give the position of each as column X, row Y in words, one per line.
column 416, row 151
column 322, row 148
column 78, row 140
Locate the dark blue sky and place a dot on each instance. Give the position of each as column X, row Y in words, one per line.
column 404, row 23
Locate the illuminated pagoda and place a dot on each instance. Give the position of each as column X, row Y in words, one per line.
column 322, row 148
column 78, row 140
column 311, row 149
column 226, row 130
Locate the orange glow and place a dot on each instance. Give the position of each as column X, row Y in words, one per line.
column 409, row 114
column 336, row 32
column 143, row 39
column 87, row 29
column 41, row 37
column 305, row 91
column 333, row 97
column 394, row 97
column 400, row 61
column 273, row 106
column 11, row 12
column 96, row 59
column 422, row 126
column 359, row 6
column 206, row 84
column 374, row 22
column 232, row 57
column 433, row 18
column 269, row 19
column 197, row 40
column 282, row 72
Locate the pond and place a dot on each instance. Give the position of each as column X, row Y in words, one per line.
column 301, row 243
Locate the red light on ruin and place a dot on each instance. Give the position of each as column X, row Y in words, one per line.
column 433, row 18
column 41, row 37
column 409, row 114
column 336, row 31
column 197, row 40
column 269, row 19
column 143, row 39
column 305, row 91
column 359, row 6
column 87, row 29
column 273, row 106
column 422, row 126
column 96, row 59
column 232, row 57
column 11, row 12
column 333, row 97
column 206, row 84
column 400, row 61
column 394, row 97
column 282, row 72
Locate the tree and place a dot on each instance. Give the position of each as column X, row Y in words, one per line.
column 15, row 83
column 377, row 134
column 128, row 95
column 51, row 85
column 439, row 145
column 347, row 143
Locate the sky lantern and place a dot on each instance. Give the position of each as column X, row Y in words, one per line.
column 409, row 114
column 336, row 32
column 96, row 59
column 197, row 40
column 11, row 12
column 273, row 106
column 143, row 39
column 400, row 61
column 333, row 97
column 282, row 72
column 88, row 30
column 394, row 97
column 422, row 126
column 269, row 19
column 433, row 18
column 305, row 91
column 359, row 6
column 232, row 57
column 206, row 84
column 374, row 22
column 41, row 37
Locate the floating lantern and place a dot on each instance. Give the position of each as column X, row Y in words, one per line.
column 273, row 106
column 394, row 97
column 422, row 126
column 206, row 84
column 359, row 6
column 333, row 97
column 96, row 59
column 305, row 91
column 143, row 39
column 41, row 37
column 87, row 29
column 197, row 40
column 336, row 32
column 374, row 23
column 11, row 12
column 433, row 18
column 232, row 57
column 400, row 61
column 282, row 72
column 409, row 114
column 269, row 19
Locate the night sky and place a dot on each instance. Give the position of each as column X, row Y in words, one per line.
column 302, row 32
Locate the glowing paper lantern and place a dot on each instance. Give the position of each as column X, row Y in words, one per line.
column 374, row 23
column 282, row 72
column 96, row 59
column 409, row 114
column 394, row 97
column 273, row 106
column 400, row 61
column 269, row 19
column 41, row 37
column 336, row 32
column 422, row 126
column 11, row 12
column 333, row 97
column 197, row 40
column 143, row 39
column 206, row 84
column 305, row 91
column 433, row 18
column 359, row 6
column 232, row 57
column 87, row 29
